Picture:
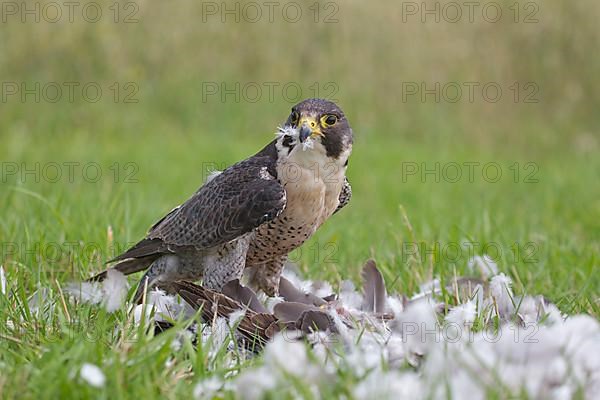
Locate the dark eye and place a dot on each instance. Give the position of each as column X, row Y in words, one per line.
column 294, row 117
column 330, row 120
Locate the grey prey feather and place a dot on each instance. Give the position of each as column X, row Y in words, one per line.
column 374, row 288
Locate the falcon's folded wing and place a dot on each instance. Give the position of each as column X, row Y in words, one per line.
column 235, row 202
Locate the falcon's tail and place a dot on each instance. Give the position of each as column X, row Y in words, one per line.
column 127, row 267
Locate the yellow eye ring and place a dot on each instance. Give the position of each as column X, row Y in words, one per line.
column 329, row 120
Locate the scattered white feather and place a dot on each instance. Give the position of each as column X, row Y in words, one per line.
column 270, row 302
column 528, row 310
column 478, row 297
column 485, row 265
column 543, row 361
column 501, row 291
column 283, row 359
column 395, row 351
column 430, row 286
column 349, row 296
column 219, row 332
column 114, row 289
column 462, row 315
column 551, row 312
column 428, row 289
column 551, row 359
column 168, row 307
column 181, row 337
column 459, row 321
column 2, row 281
column 322, row 289
column 395, row 305
column 38, row 302
column 253, row 384
column 540, row 354
column 288, row 131
column 111, row 292
column 208, row 388
column 294, row 134
column 389, row 385
column 419, row 329
column 292, row 275
column 364, row 356
column 92, row 375
column 236, row 316
column 142, row 312
column 288, row 357
column 87, row 292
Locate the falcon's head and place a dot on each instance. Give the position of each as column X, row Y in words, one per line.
column 316, row 126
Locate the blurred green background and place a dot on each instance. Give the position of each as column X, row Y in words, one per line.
column 168, row 57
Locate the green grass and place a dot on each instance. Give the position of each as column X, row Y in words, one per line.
column 170, row 136
column 558, row 216
column 541, row 233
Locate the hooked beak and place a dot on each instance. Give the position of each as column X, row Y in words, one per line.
column 305, row 132
column 308, row 127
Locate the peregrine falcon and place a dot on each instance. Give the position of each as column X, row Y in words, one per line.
column 254, row 213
